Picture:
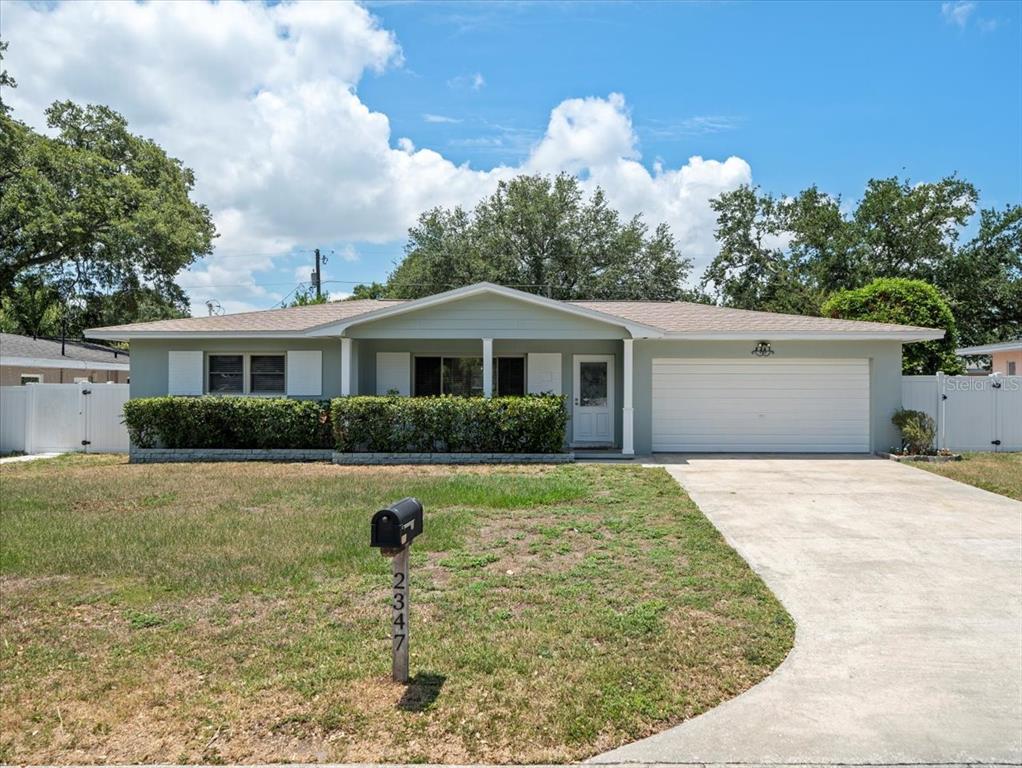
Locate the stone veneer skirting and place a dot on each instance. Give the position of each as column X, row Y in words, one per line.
column 453, row 458
column 171, row 455
column 176, row 455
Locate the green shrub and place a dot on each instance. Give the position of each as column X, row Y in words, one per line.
column 227, row 422
column 905, row 302
column 918, row 430
column 532, row 424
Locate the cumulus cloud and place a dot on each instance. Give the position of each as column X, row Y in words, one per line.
column 261, row 101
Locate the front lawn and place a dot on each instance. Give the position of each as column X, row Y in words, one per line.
column 235, row 613
column 997, row 472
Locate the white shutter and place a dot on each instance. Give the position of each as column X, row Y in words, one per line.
column 544, row 372
column 304, row 373
column 393, row 372
column 184, row 373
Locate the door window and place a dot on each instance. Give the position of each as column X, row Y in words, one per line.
column 592, row 384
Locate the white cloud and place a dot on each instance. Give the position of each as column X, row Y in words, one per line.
column 261, row 102
column 957, row 12
column 431, row 118
column 473, row 82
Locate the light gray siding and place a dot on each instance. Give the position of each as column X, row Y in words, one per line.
column 497, row 317
column 885, row 376
column 149, row 374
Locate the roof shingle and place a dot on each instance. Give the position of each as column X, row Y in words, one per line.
column 14, row 345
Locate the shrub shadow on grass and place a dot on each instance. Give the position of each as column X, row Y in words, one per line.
column 421, row 692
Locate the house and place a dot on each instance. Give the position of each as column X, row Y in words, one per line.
column 1005, row 357
column 641, row 376
column 25, row 360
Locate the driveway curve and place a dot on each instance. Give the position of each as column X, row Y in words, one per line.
column 906, row 589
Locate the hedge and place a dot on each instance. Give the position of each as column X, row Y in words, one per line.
column 227, row 422
column 532, row 424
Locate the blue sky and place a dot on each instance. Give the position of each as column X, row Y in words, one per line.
column 332, row 125
column 826, row 93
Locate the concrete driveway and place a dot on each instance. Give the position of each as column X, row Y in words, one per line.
column 907, row 592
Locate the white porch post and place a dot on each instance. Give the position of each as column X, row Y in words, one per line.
column 487, row 367
column 627, row 441
column 345, row 366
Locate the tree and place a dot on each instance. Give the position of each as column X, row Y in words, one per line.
column 541, row 234
column 96, row 209
column 983, row 279
column 373, row 290
column 305, row 296
column 32, row 308
column 754, row 269
column 905, row 302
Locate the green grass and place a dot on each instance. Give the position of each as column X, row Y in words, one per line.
column 997, row 472
column 209, row 613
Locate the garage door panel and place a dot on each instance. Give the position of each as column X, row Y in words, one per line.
column 760, row 405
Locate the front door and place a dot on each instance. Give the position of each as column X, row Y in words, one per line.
column 593, row 410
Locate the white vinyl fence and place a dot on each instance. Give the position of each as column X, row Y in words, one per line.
column 43, row 418
column 973, row 413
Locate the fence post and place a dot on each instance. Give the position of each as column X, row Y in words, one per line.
column 941, row 400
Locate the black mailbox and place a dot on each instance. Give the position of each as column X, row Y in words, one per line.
column 396, row 526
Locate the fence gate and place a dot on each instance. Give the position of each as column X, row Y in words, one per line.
column 973, row 413
column 45, row 418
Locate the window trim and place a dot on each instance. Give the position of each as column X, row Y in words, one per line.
column 523, row 357
column 246, row 370
column 33, row 378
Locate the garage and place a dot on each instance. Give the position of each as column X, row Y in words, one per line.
column 770, row 406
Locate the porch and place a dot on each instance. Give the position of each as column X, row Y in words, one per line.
column 595, row 376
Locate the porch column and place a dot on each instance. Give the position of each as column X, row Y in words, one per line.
column 487, row 367
column 627, row 442
column 345, row 366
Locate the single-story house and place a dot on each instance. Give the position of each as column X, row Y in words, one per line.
column 1005, row 357
column 641, row 376
column 27, row 360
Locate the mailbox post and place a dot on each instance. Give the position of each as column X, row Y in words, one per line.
column 392, row 531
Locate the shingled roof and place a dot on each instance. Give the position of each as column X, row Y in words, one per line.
column 13, row 345
column 660, row 318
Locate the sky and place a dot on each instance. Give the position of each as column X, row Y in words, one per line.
column 333, row 125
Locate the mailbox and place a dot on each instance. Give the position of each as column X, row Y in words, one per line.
column 396, row 526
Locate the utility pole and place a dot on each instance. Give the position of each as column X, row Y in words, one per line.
column 317, row 278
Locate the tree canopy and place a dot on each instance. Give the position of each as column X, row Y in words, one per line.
column 790, row 254
column 542, row 235
column 96, row 213
column 905, row 302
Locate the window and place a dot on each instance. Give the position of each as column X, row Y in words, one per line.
column 1011, row 367
column 464, row 376
column 510, row 378
column 266, row 374
column 226, row 374
column 252, row 374
column 31, row 378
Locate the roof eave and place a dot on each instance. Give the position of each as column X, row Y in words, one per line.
column 111, row 335
column 768, row 335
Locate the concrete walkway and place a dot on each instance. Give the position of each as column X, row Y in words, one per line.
column 29, row 457
column 907, row 592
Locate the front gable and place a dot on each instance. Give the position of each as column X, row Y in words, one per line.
column 486, row 315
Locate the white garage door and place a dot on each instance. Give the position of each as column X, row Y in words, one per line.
column 761, row 405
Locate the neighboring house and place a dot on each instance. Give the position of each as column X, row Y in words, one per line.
column 1005, row 357
column 24, row 360
column 640, row 375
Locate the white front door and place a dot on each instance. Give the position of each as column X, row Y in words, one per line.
column 593, row 393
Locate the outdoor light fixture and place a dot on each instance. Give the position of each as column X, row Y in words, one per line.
column 763, row 349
